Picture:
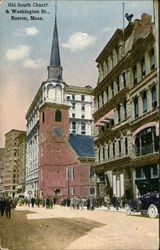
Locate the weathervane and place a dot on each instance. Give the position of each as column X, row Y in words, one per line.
column 129, row 17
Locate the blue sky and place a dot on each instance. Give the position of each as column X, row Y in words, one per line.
column 84, row 28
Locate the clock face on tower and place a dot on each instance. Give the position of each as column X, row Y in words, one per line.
column 58, row 132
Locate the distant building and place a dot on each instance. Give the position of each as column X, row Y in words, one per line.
column 21, row 144
column 56, row 111
column 11, row 166
column 2, row 158
column 126, row 113
column 80, row 113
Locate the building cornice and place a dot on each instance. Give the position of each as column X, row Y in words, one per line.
column 111, row 104
column 80, row 90
column 54, row 105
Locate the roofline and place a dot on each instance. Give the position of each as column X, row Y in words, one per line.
column 15, row 130
column 34, row 101
column 117, row 33
column 84, row 90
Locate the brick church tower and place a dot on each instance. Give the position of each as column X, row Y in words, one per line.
column 60, row 171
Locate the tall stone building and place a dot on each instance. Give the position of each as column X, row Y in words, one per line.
column 2, row 158
column 52, row 156
column 21, row 144
column 126, row 114
column 11, row 166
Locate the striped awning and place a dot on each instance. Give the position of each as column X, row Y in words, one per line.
column 105, row 119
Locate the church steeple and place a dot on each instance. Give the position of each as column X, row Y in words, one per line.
column 55, row 69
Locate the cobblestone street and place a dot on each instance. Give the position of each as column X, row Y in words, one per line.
column 66, row 228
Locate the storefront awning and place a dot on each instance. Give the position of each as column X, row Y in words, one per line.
column 150, row 124
column 105, row 119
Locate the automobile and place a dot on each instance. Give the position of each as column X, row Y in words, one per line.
column 146, row 204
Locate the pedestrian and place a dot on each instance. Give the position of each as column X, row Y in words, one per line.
column 8, row 207
column 52, row 202
column 47, row 202
column 2, row 205
column 114, row 201
column 72, row 203
column 38, row 201
column 88, row 203
column 32, row 201
column 68, row 202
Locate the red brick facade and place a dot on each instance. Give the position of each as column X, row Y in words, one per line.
column 56, row 156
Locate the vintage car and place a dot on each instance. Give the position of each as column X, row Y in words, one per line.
column 147, row 204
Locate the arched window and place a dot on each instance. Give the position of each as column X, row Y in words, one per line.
column 58, row 116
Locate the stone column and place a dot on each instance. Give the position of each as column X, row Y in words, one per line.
column 139, row 72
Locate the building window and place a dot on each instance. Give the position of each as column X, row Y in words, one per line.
column 136, row 108
column 102, row 98
column 124, row 79
column 58, row 116
column 98, row 101
column 143, row 68
column 126, row 146
column 73, row 97
column 82, row 116
column 107, row 94
column 103, row 153
column 152, row 59
column 135, row 75
column 91, row 172
column 15, row 154
column 108, row 151
column 92, row 191
column 43, row 117
column 154, row 172
column 73, row 115
column 139, row 173
column 82, row 98
column 73, row 105
column 72, row 191
column 67, row 173
column 73, row 173
column 119, row 113
column 83, row 128
column 144, row 101
column 119, row 142
column 118, row 84
column 73, row 127
column 154, row 96
column 113, row 149
column 83, row 107
column 112, row 87
column 125, row 108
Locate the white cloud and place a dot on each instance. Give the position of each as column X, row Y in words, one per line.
column 79, row 41
column 33, row 64
column 30, row 31
column 18, row 53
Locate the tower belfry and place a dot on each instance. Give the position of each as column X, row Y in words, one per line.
column 55, row 69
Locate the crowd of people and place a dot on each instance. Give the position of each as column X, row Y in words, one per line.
column 6, row 204
column 91, row 202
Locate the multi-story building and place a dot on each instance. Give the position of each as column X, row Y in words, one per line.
column 2, row 158
column 21, row 144
column 77, row 104
column 126, row 112
column 80, row 113
column 11, row 167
